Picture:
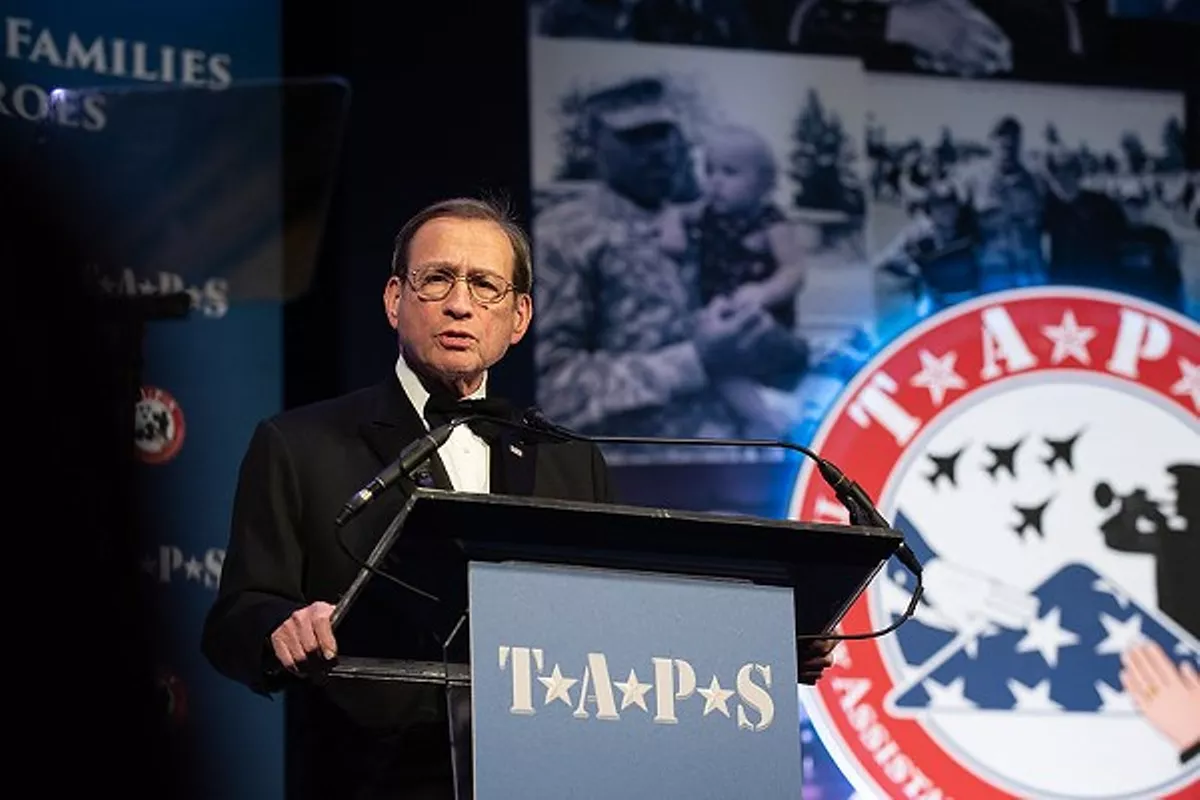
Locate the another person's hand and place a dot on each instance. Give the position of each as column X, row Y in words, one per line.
column 793, row 241
column 951, row 36
column 749, row 295
column 726, row 334
column 307, row 631
column 737, row 340
column 1166, row 695
column 777, row 357
column 816, row 656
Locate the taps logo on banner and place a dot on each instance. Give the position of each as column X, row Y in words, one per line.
column 747, row 702
column 158, row 426
column 1040, row 451
column 169, row 564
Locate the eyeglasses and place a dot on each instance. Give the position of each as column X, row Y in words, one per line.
column 436, row 284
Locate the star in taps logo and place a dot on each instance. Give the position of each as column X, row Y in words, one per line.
column 743, row 699
column 170, row 564
column 1040, row 451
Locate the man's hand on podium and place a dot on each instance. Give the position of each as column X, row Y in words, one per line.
column 815, row 657
column 306, row 631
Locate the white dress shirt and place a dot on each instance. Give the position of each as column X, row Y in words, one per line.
column 465, row 455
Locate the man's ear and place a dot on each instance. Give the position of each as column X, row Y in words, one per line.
column 391, row 300
column 524, row 316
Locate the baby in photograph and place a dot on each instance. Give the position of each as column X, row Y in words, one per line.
column 750, row 255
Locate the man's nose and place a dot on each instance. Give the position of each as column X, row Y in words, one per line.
column 459, row 302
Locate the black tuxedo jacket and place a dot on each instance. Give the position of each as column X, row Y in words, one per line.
column 299, row 469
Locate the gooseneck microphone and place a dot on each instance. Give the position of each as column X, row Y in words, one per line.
column 487, row 415
column 533, row 421
column 411, row 458
column 483, row 412
column 852, row 496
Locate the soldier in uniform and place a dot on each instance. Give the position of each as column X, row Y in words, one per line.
column 623, row 344
column 934, row 256
column 1138, row 525
column 1008, row 199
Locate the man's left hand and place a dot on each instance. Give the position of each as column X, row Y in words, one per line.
column 815, row 657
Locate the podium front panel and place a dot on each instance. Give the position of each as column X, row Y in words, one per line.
column 590, row 683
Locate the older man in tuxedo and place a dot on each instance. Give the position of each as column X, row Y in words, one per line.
column 458, row 298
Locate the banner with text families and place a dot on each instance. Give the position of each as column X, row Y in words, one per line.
column 174, row 171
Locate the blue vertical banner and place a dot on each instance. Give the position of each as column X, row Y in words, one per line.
column 178, row 175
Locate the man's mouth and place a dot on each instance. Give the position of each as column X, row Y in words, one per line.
column 455, row 339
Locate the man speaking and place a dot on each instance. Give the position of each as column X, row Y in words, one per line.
column 458, row 298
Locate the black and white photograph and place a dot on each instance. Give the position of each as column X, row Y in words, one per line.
column 964, row 38
column 983, row 187
column 699, row 232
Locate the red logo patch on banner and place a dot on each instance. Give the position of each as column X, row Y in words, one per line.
column 1040, row 451
column 173, row 695
column 158, row 426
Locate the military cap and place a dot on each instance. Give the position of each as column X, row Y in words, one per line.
column 630, row 104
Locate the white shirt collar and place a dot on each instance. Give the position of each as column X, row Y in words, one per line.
column 418, row 395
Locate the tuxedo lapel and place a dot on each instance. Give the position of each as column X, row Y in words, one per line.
column 394, row 426
column 513, row 465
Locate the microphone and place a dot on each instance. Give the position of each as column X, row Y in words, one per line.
column 852, row 496
column 485, row 413
column 412, row 457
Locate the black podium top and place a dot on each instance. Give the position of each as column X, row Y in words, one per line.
column 438, row 533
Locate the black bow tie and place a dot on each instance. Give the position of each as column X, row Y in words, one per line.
column 440, row 409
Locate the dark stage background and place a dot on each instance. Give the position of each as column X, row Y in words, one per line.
column 439, row 105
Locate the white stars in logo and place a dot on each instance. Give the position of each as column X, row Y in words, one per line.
column 1046, row 635
column 1079, row 404
column 1187, row 649
column 673, row 682
column 937, row 375
column 715, row 698
column 1070, row 340
column 1032, row 698
column 193, row 569
column 171, row 564
column 948, row 697
column 633, row 693
column 1189, row 382
column 1121, row 635
column 557, row 687
column 1113, row 700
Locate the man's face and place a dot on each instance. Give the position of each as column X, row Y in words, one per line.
column 1008, row 147
column 642, row 163
column 454, row 340
column 1070, row 181
column 1135, row 209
